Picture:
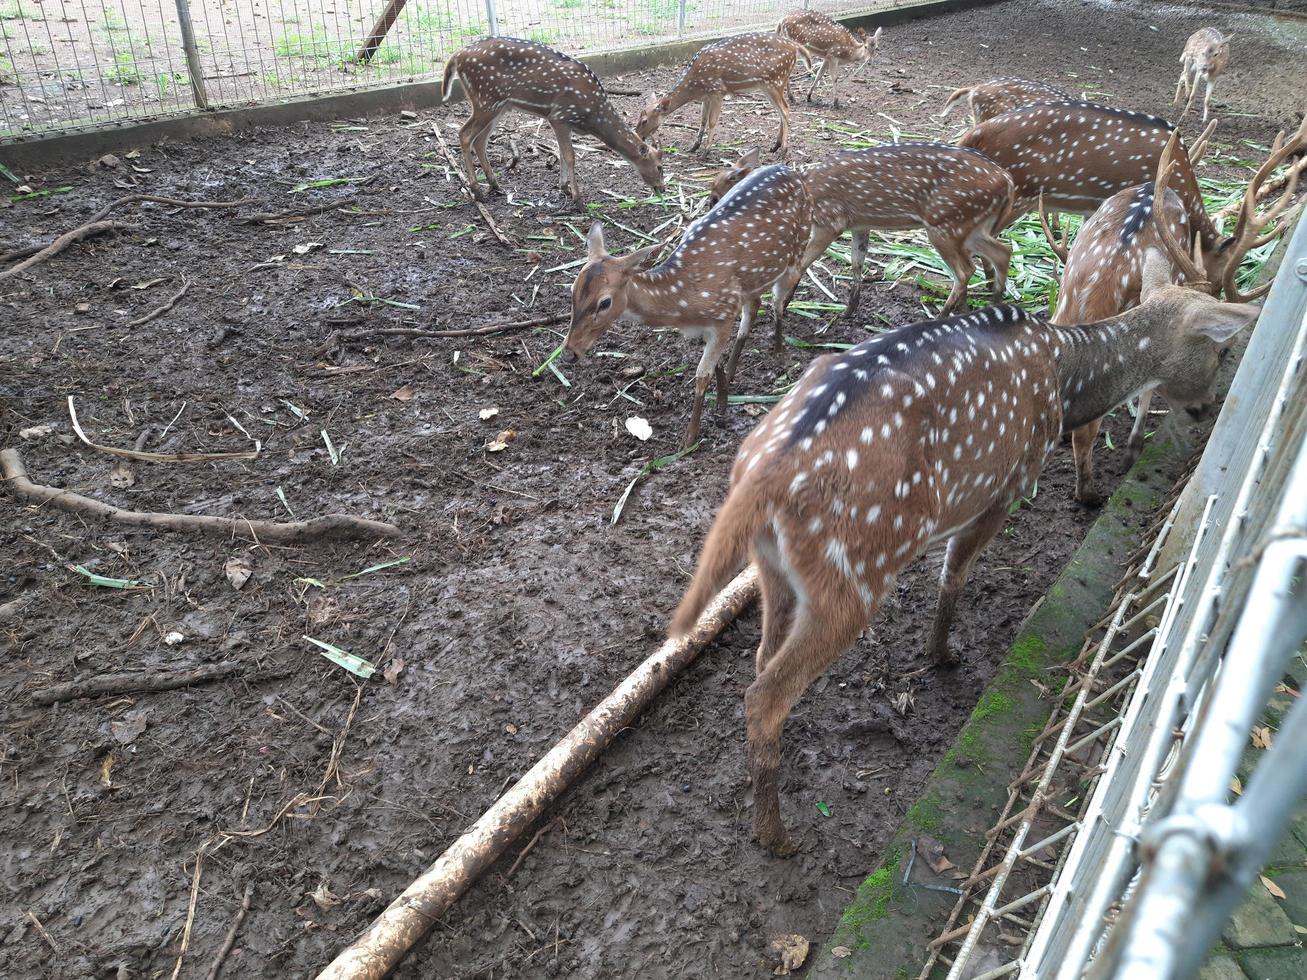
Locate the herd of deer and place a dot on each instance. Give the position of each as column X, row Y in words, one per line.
column 929, row 432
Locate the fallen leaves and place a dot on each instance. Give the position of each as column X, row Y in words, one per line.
column 640, row 428
column 1261, row 737
column 840, row 952
column 1275, row 890
column 324, row 898
column 130, row 727
column 792, row 950
column 238, row 571
column 488, row 413
column 121, row 476
column 501, row 441
column 404, row 393
column 393, row 670
column 932, row 852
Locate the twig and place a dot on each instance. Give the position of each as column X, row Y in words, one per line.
column 332, row 526
column 190, row 909
column 154, row 457
column 134, row 682
column 41, row 929
column 289, row 217
column 160, row 311
column 463, row 179
column 544, row 321
column 230, row 941
column 338, row 746
column 623, row 91
column 88, row 230
column 530, row 844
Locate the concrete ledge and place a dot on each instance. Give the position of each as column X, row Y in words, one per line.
column 34, row 153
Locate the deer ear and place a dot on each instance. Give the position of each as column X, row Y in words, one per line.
column 595, row 241
column 1156, row 275
column 751, row 159
column 876, row 37
column 1221, row 321
column 640, row 258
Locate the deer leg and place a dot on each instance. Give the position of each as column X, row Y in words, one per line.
column 824, row 627
column 714, row 118
column 704, row 116
column 1082, row 450
column 963, row 548
column 776, row 96
column 777, row 598
column 817, row 78
column 476, row 124
column 566, row 161
column 1136, row 444
column 1207, row 95
column 1180, row 85
column 715, row 338
column 748, row 312
column 1193, row 91
column 835, row 84
column 857, row 258
column 997, row 258
column 956, row 256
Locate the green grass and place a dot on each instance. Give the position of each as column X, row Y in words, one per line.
column 124, row 70
column 316, row 46
column 17, row 11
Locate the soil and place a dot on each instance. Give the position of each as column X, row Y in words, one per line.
column 519, row 603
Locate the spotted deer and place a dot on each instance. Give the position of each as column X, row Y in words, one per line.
column 502, row 73
column 1000, row 95
column 1205, row 58
column 921, row 435
column 960, row 198
column 758, row 62
column 752, row 240
column 821, row 37
column 1104, row 268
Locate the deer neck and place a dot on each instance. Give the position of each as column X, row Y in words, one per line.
column 1199, row 220
column 614, row 133
column 1102, row 364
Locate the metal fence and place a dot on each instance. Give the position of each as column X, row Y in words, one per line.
column 1119, row 853
column 68, row 64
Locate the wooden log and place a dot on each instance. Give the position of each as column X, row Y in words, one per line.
column 380, row 948
column 379, row 31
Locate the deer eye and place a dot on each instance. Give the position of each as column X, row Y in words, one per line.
column 604, row 303
column 1222, row 354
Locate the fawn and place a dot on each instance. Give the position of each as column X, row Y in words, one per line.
column 760, row 62
column 502, row 73
column 820, row 37
column 1205, row 58
column 751, row 240
column 1104, row 268
column 923, row 434
column 961, row 199
column 1000, row 95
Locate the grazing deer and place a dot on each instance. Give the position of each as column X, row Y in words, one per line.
column 1000, row 95
column 1205, row 58
column 1104, row 268
column 759, row 62
column 820, row 37
column 960, row 198
column 502, row 73
column 923, row 434
column 752, row 240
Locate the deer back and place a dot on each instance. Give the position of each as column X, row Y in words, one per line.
column 1103, row 275
column 821, row 36
column 1000, row 95
column 737, row 64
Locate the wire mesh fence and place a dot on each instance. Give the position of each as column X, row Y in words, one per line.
column 68, row 64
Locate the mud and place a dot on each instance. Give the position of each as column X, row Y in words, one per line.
column 519, row 604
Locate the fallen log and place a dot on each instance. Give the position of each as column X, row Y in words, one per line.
column 380, row 948
column 332, row 526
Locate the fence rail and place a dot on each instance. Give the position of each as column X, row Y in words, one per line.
column 73, row 64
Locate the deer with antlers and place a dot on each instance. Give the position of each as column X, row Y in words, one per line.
column 1206, row 56
column 1000, row 95
column 502, row 73
column 821, row 37
column 758, row 62
column 959, row 197
column 752, row 240
column 1104, row 268
column 924, row 434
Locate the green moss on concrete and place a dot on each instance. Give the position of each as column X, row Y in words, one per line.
column 992, row 703
column 1028, row 653
column 925, row 815
column 870, row 904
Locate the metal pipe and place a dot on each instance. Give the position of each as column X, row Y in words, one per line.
column 680, row 19
column 192, row 54
column 493, row 17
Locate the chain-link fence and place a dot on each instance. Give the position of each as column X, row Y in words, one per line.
column 67, row 64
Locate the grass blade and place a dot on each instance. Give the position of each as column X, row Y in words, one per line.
column 354, row 664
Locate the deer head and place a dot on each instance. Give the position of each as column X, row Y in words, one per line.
column 601, row 292
column 648, row 163
column 731, row 176
column 1216, row 269
column 651, row 117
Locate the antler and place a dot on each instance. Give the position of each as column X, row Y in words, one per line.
column 1247, row 230
column 1200, row 145
column 1060, row 249
column 1190, row 265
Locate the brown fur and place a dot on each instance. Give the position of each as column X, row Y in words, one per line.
column 821, row 37
column 1000, row 95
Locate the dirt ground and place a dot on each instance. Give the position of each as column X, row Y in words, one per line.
column 519, row 604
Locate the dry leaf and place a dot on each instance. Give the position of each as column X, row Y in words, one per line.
column 109, row 160
column 839, row 952
column 150, row 283
column 1236, row 787
column 510, row 728
column 106, row 766
column 304, row 248
column 404, row 393
column 133, row 154
column 1261, row 737
column 35, row 432
column 121, row 476
column 640, row 428
column 323, row 898
column 132, row 725
column 238, row 571
column 393, row 670
column 932, row 852
column 501, row 441
column 1301, row 930
column 172, row 638
column 488, row 413
column 1272, row 887
column 793, row 950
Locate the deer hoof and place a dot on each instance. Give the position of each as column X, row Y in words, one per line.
column 780, row 845
column 1089, row 499
column 944, row 656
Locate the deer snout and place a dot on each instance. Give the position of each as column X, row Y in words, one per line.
column 1199, row 412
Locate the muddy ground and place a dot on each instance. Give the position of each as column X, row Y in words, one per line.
column 519, row 603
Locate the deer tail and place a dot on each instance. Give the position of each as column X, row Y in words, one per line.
column 953, row 99
column 1008, row 212
column 723, row 554
column 451, row 72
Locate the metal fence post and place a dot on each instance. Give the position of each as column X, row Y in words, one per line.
column 491, row 16
column 680, row 19
column 192, row 54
